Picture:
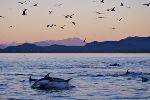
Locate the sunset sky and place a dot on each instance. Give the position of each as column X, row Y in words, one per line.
column 33, row 26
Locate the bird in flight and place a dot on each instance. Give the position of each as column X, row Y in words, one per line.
column 66, row 16
column 51, row 25
column 98, row 12
column 102, row 1
column 50, row 12
column 11, row 26
column 113, row 9
column 2, row 17
column 73, row 23
column 62, row 27
column 35, row 4
column 108, row 9
column 146, row 4
column 22, row 2
column 120, row 19
column 24, row 12
column 101, row 17
column 121, row 4
column 113, row 28
column 69, row 16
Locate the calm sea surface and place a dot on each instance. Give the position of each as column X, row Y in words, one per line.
column 93, row 77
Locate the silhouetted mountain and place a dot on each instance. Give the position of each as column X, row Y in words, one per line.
column 127, row 45
column 66, row 42
column 130, row 44
column 2, row 46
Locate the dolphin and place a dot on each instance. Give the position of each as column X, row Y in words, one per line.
column 33, row 80
column 144, row 79
column 51, row 83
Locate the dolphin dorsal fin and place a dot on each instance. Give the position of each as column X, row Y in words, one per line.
column 68, row 79
column 30, row 78
column 47, row 75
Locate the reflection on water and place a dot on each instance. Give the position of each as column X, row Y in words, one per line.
column 91, row 73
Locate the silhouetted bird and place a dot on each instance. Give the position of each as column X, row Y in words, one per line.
column 48, row 26
column 66, row 16
column 50, row 12
column 2, row 17
column 98, row 12
column 113, row 28
column 113, row 9
column 52, row 25
column 22, row 2
column 120, row 19
column 35, row 4
column 73, row 23
column 11, row 26
column 146, row 4
column 101, row 17
column 102, row 1
column 121, row 4
column 108, row 9
column 69, row 16
column 62, row 27
column 24, row 12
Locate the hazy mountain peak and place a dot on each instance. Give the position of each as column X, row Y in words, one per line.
column 67, row 42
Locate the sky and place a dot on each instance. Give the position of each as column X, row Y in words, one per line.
column 33, row 26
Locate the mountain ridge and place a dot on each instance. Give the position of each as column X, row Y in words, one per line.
column 126, row 45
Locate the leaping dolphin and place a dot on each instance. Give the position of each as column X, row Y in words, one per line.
column 51, row 83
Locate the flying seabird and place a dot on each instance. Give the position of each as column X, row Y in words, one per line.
column 146, row 4
column 101, row 17
column 2, row 17
column 120, row 19
column 73, row 23
column 98, row 12
column 71, row 15
column 11, row 26
column 102, row 1
column 22, row 2
column 48, row 26
column 24, row 12
column 113, row 9
column 51, row 25
column 62, row 27
column 113, row 28
column 35, row 4
column 121, row 4
column 50, row 12
column 66, row 16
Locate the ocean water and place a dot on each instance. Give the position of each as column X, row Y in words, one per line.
column 93, row 77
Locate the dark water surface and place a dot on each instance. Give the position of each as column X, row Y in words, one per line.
column 93, row 77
